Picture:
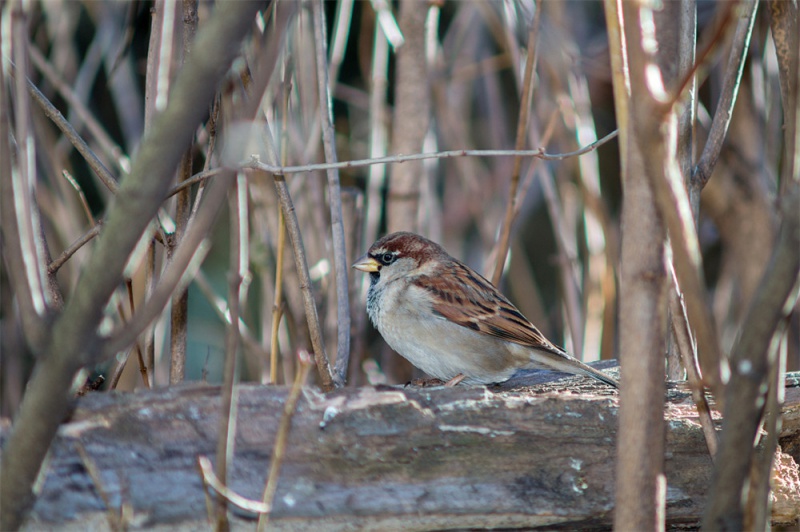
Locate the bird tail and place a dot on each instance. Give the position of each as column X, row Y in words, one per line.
column 597, row 374
column 562, row 361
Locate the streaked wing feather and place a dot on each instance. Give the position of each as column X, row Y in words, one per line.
column 479, row 306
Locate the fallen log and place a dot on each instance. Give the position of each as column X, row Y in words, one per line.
column 382, row 458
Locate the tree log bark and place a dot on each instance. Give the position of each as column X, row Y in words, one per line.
column 521, row 455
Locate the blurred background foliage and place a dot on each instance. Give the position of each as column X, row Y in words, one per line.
column 563, row 266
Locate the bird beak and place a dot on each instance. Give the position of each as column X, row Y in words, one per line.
column 367, row 264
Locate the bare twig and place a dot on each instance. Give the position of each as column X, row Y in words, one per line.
column 522, row 137
column 301, row 264
column 220, row 307
column 33, row 326
column 105, row 141
column 278, row 299
column 177, row 275
column 282, row 438
column 537, row 153
column 180, row 301
column 94, row 162
column 196, row 179
column 115, row 520
column 335, row 195
column 210, row 479
column 226, row 435
column 686, row 349
column 71, row 250
column 27, row 231
column 715, row 37
column 727, row 98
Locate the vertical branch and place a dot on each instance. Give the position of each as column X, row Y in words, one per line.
column 227, row 421
column 31, row 313
column 180, row 302
column 687, row 40
column 640, row 484
column 687, row 351
column 727, row 99
column 301, row 264
column 751, row 361
column 282, row 438
column 278, row 299
column 522, row 137
column 337, row 227
column 411, row 117
column 378, row 136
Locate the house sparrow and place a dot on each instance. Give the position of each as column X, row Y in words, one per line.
column 449, row 321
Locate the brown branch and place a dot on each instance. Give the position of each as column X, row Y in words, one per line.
column 750, row 366
column 50, row 111
column 95, row 128
column 686, row 349
column 522, row 136
column 282, row 438
column 183, row 206
column 71, row 250
column 27, row 231
column 727, row 98
column 301, row 264
column 715, row 37
column 226, row 433
column 335, row 197
column 640, row 497
column 411, row 116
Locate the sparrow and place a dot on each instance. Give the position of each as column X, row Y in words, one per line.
column 449, row 321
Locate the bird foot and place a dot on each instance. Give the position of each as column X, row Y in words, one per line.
column 428, row 383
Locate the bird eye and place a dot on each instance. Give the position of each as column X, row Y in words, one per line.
column 387, row 258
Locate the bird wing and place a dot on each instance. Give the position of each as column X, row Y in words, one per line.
column 471, row 301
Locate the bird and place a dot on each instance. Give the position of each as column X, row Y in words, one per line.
column 451, row 322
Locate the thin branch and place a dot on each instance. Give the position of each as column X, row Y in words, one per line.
column 34, row 326
column 195, row 179
column 50, row 111
column 301, row 265
column 281, row 245
column 538, row 153
column 95, row 128
column 179, row 313
column 211, row 480
column 226, row 434
column 715, row 37
column 761, row 473
column 335, row 195
column 358, row 163
column 24, row 180
column 727, row 98
column 282, row 438
column 688, row 354
column 70, row 251
column 522, row 136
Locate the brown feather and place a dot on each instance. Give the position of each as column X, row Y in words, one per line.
column 489, row 313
